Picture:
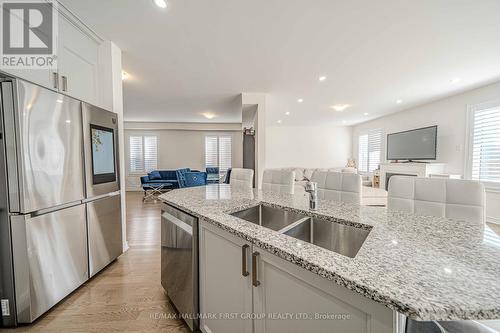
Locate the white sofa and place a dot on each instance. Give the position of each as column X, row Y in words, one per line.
column 370, row 196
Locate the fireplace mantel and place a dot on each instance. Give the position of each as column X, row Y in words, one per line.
column 410, row 169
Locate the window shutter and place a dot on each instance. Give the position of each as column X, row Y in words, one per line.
column 374, row 148
column 136, row 161
column 369, row 150
column 218, row 152
column 224, row 153
column 211, row 152
column 485, row 148
column 363, row 153
column 150, row 153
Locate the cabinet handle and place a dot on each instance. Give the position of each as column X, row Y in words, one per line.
column 244, row 270
column 64, row 83
column 255, row 282
column 56, row 80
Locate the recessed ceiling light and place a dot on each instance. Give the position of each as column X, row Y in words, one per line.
column 340, row 107
column 124, row 75
column 455, row 80
column 322, row 78
column 300, row 100
column 344, row 121
column 399, row 101
column 365, row 114
column 208, row 115
column 287, row 113
column 160, row 3
column 58, row 101
column 279, row 121
column 68, row 121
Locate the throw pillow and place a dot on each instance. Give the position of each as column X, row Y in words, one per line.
column 154, row 175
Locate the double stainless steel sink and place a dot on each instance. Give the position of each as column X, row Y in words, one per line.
column 333, row 236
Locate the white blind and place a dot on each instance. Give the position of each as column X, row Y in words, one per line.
column 369, row 150
column 150, row 153
column 136, row 155
column 224, row 153
column 218, row 152
column 211, row 152
column 485, row 164
column 143, row 153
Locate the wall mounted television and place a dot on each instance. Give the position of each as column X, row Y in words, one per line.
column 413, row 145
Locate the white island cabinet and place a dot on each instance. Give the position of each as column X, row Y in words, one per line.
column 276, row 296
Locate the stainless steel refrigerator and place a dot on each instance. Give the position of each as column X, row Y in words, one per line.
column 48, row 206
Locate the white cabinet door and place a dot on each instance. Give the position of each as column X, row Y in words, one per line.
column 223, row 288
column 288, row 290
column 43, row 77
column 78, row 60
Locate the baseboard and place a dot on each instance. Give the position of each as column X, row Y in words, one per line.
column 494, row 220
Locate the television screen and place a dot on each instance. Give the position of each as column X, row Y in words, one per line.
column 418, row 144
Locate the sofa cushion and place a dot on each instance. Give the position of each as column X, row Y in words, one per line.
column 168, row 174
column 154, row 175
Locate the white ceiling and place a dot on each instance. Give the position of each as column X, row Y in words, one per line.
column 197, row 56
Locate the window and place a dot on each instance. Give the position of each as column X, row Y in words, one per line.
column 369, row 148
column 143, row 153
column 218, row 152
column 484, row 142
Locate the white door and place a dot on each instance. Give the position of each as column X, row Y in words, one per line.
column 224, row 290
column 296, row 300
column 78, row 60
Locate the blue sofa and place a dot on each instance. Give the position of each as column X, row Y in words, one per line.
column 167, row 176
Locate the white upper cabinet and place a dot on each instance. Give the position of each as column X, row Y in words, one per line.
column 78, row 61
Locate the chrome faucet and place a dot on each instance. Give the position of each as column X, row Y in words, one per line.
column 312, row 189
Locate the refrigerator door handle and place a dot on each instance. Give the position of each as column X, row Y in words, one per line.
column 56, row 208
column 103, row 196
column 7, row 97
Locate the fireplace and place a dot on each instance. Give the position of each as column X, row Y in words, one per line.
column 388, row 176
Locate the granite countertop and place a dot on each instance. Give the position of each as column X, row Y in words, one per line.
column 426, row 268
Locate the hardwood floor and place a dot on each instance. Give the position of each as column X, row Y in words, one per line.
column 127, row 296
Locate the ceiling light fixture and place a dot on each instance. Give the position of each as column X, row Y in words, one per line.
column 322, row 78
column 279, row 121
column 399, row 101
column 340, row 107
column 124, row 75
column 344, row 121
column 455, row 80
column 208, row 115
column 287, row 113
column 58, row 101
column 366, row 113
column 160, row 3
column 300, row 100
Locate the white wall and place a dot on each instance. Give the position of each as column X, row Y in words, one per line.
column 181, row 149
column 307, row 146
column 450, row 114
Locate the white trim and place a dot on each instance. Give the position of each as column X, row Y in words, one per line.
column 493, row 220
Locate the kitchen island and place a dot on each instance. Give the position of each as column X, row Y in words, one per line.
column 425, row 268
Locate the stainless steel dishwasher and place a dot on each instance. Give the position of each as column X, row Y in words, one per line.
column 179, row 262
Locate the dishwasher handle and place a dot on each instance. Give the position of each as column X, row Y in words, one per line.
column 177, row 222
